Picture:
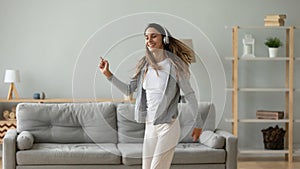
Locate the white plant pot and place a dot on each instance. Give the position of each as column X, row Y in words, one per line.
column 273, row 52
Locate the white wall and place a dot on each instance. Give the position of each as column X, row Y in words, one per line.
column 43, row 39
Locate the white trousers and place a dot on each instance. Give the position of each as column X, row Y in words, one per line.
column 159, row 144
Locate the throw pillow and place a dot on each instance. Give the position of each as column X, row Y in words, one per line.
column 25, row 140
column 211, row 139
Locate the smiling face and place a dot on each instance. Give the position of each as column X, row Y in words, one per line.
column 153, row 39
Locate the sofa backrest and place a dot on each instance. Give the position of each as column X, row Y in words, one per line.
column 130, row 131
column 68, row 123
column 186, row 119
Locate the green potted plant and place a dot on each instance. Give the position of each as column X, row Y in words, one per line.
column 273, row 43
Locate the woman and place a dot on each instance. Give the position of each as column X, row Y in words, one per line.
column 160, row 75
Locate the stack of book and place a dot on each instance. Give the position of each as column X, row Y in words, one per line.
column 275, row 20
column 269, row 115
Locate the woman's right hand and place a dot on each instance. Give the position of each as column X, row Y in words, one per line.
column 104, row 67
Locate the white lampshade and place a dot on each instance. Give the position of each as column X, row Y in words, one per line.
column 12, row 76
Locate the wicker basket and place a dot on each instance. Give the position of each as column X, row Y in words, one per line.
column 273, row 138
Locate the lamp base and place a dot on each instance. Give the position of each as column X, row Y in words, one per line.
column 12, row 89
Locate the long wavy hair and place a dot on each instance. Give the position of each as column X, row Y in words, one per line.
column 179, row 53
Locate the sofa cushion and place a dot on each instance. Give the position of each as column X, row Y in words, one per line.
column 129, row 131
column 131, row 153
column 68, row 123
column 25, row 140
column 211, row 139
column 195, row 153
column 186, row 119
column 185, row 153
column 52, row 154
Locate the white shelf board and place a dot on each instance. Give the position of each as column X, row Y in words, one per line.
column 263, row 121
column 263, row 89
column 263, row 151
column 228, row 58
column 230, row 120
column 259, row 58
column 266, row 27
column 297, row 58
column 229, row 89
column 261, row 27
column 265, row 59
column 297, row 121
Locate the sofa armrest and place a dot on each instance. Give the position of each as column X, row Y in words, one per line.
column 9, row 149
column 231, row 147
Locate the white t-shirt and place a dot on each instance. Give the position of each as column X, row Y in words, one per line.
column 155, row 85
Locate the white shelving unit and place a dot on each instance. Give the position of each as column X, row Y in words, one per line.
column 287, row 90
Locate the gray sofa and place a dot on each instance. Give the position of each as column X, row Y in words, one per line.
column 105, row 136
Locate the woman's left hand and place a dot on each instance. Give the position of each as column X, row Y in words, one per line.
column 196, row 134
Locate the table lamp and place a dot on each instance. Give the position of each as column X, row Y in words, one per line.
column 12, row 76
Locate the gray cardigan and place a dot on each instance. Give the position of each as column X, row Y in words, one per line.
column 168, row 108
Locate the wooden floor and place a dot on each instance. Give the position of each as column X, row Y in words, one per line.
column 267, row 165
column 259, row 165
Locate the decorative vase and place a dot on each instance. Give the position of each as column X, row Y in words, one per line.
column 36, row 96
column 273, row 52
